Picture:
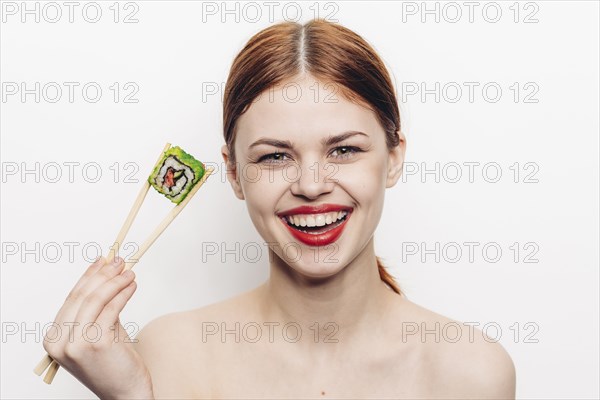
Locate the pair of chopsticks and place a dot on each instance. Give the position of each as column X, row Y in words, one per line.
column 47, row 362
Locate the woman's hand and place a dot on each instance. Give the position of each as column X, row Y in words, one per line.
column 88, row 339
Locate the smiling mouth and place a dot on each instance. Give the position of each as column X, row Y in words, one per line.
column 314, row 230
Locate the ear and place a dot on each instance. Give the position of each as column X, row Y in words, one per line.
column 396, row 161
column 232, row 175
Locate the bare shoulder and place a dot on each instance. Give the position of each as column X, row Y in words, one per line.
column 460, row 359
column 173, row 350
column 175, row 329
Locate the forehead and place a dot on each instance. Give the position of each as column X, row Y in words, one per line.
column 303, row 109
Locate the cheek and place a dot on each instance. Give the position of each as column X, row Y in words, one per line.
column 262, row 190
column 362, row 180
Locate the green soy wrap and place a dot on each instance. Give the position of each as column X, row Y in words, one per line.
column 176, row 174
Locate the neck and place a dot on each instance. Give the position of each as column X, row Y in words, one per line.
column 355, row 297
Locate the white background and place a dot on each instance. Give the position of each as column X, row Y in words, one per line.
column 171, row 54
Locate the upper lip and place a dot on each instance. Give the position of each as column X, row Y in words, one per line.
column 320, row 209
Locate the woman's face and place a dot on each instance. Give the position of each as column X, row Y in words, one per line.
column 350, row 174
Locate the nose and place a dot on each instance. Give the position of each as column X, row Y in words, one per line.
column 313, row 180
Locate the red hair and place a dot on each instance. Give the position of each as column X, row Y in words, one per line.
column 329, row 52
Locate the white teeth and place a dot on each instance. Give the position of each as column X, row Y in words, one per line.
column 316, row 219
column 320, row 220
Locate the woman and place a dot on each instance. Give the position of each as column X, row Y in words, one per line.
column 313, row 140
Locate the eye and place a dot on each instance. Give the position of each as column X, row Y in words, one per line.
column 345, row 151
column 273, row 158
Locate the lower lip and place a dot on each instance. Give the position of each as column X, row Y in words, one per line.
column 321, row 239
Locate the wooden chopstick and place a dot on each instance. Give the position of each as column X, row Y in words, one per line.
column 43, row 364
column 52, row 370
column 114, row 250
column 135, row 208
column 47, row 361
column 166, row 221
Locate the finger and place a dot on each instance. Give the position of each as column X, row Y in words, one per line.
column 67, row 305
column 108, row 271
column 95, row 302
column 110, row 312
column 73, row 303
column 91, row 270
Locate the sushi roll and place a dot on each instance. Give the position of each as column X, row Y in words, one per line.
column 176, row 174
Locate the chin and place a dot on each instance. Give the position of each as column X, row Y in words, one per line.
column 328, row 265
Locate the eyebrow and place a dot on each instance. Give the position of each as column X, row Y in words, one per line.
column 286, row 144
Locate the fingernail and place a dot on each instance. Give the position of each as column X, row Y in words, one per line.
column 117, row 261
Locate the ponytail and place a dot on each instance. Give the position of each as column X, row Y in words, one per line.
column 386, row 277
